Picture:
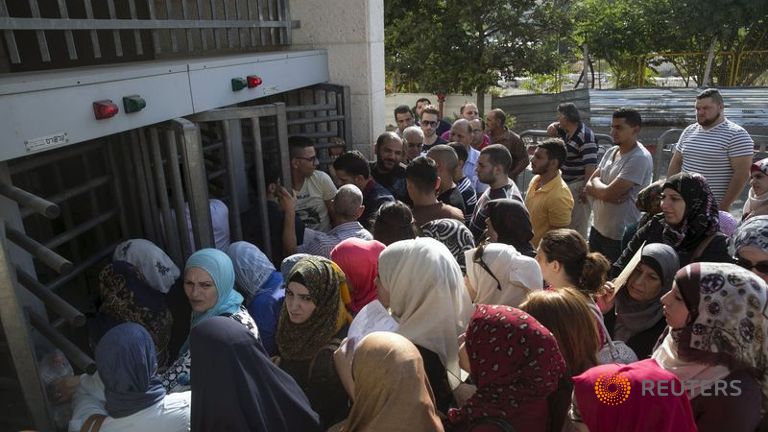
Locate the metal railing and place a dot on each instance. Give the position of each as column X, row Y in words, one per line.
column 108, row 31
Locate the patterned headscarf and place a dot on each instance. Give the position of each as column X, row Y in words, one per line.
column 126, row 296
column 728, row 318
column 512, row 223
column 752, row 232
column 359, row 259
column 158, row 269
column 218, row 265
column 324, row 281
column 514, row 361
column 288, row 262
column 252, row 268
column 454, row 235
column 701, row 217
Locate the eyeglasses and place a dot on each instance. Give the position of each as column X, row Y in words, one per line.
column 761, row 266
column 478, row 259
column 414, row 145
column 477, row 131
column 308, row 159
column 429, row 123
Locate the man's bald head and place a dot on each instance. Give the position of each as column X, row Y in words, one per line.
column 348, row 202
column 461, row 132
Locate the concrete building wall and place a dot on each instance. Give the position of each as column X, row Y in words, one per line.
column 353, row 33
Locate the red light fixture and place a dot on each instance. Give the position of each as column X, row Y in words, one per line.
column 253, row 81
column 105, row 109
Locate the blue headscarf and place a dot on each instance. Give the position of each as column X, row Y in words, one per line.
column 217, row 264
column 127, row 365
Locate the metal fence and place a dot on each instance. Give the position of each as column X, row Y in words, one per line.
column 42, row 34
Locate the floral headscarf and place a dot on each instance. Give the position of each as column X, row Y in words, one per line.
column 252, row 268
column 701, row 217
column 155, row 265
column 727, row 306
column 753, row 232
column 514, row 360
column 325, row 282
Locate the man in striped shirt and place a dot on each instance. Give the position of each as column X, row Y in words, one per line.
column 716, row 148
column 580, row 161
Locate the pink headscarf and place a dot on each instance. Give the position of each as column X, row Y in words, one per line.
column 360, row 261
column 612, row 398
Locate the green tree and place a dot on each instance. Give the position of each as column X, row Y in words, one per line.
column 448, row 46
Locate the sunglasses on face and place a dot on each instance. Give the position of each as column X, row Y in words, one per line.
column 478, row 259
column 761, row 266
column 429, row 123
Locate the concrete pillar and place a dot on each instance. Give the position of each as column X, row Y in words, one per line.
column 353, row 33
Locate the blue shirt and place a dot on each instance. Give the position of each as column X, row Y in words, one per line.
column 265, row 310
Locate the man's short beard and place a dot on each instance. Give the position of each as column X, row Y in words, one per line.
column 706, row 123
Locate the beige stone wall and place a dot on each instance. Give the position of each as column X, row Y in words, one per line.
column 353, row 33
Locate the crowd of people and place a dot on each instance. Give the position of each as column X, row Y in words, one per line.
column 424, row 292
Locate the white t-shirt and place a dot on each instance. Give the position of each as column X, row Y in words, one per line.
column 310, row 205
column 172, row 414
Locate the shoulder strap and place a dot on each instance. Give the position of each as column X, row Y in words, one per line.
column 93, row 423
column 333, row 345
column 702, row 246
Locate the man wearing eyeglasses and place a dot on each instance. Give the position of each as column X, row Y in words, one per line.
column 413, row 141
column 314, row 189
column 430, row 121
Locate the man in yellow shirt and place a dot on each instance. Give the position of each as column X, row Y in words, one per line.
column 549, row 201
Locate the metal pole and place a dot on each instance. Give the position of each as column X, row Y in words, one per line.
column 19, row 340
column 197, row 187
column 178, row 195
column 282, row 142
column 261, row 188
column 80, row 359
column 26, row 199
column 234, row 196
column 53, row 301
column 117, row 188
column 143, row 193
column 171, row 242
column 39, row 251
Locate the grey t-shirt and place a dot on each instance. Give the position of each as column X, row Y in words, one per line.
column 635, row 166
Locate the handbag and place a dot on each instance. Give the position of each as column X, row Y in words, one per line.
column 614, row 351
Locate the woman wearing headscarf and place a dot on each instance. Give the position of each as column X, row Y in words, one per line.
column 614, row 397
column 649, row 202
column 637, row 317
column 717, row 344
column 757, row 199
column 454, row 235
column 359, row 259
column 689, row 222
column 261, row 286
column 209, row 283
column 132, row 289
column 312, row 324
column 126, row 394
column 421, row 283
column 238, row 388
column 392, row 393
column 509, row 223
column 750, row 244
column 516, row 364
column 498, row 274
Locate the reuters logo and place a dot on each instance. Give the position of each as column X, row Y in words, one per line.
column 612, row 389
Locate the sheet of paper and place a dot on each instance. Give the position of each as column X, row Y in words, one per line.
column 372, row 317
column 623, row 277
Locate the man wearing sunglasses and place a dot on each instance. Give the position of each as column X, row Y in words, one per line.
column 314, row 189
column 430, row 121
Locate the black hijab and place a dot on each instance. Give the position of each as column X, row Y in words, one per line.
column 511, row 221
column 238, row 388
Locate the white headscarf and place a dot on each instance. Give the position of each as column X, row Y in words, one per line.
column 156, row 266
column 518, row 274
column 427, row 297
column 252, row 268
